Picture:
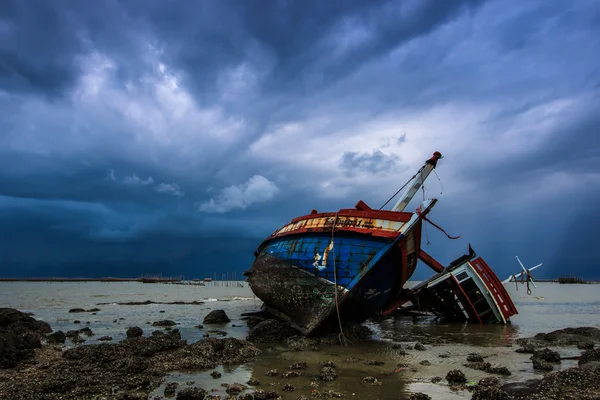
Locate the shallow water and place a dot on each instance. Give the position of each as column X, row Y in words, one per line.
column 550, row 307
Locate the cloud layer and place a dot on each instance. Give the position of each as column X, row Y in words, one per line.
column 138, row 137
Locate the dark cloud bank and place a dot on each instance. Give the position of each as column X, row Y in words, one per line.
column 145, row 136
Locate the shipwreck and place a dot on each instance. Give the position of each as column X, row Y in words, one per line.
column 327, row 267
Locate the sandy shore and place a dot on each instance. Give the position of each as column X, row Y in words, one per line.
column 36, row 363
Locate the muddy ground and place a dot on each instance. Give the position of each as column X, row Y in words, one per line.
column 35, row 364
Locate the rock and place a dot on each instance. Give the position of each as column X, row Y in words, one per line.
column 489, row 393
column 290, row 374
column 270, row 331
column 72, row 333
column 522, row 389
column 216, row 317
column 93, row 310
column 134, row 332
column 215, row 374
column 20, row 334
column 474, row 358
column 236, row 388
column 589, row 356
column 328, row 364
column 419, row 347
column 487, row 367
column 164, row 322
column 251, row 322
column 105, row 338
column 78, row 340
column 425, row 362
column 298, row 365
column 76, row 310
column 86, row 331
column 77, row 321
column 419, row 396
column 527, row 349
column 253, row 382
column 200, row 326
column 288, row 388
column 170, row 389
column 161, row 311
column 541, row 365
column 300, row 343
column 562, row 337
column 191, row 393
column 57, row 337
column 372, row 380
column 500, row 371
column 456, row 376
column 436, row 379
column 272, row 372
column 546, row 355
column 327, row 374
column 585, row 345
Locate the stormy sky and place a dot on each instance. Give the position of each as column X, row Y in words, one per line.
column 146, row 136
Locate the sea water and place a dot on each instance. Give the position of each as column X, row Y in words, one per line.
column 549, row 307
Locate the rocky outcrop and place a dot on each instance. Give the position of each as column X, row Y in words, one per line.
column 134, row 366
column 20, row 334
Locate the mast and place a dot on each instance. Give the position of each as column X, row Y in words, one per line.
column 416, row 182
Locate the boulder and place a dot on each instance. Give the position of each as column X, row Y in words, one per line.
column 134, row 332
column 456, row 376
column 57, row 337
column 546, row 355
column 76, row 310
column 216, row 317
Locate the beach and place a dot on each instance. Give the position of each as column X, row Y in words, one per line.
column 389, row 358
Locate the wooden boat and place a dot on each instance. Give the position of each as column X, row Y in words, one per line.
column 466, row 290
column 345, row 265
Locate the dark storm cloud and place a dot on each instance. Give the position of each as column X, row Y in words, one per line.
column 148, row 136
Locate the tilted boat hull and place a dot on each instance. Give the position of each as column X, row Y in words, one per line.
column 296, row 273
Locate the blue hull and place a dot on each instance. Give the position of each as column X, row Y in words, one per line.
column 351, row 254
column 293, row 279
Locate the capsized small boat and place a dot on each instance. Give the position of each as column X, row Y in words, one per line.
column 467, row 290
column 341, row 266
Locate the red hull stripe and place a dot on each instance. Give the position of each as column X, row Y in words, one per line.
column 496, row 288
column 371, row 232
column 350, row 212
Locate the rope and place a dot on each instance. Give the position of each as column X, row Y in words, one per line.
column 442, row 186
column 403, row 186
column 435, row 225
column 341, row 336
